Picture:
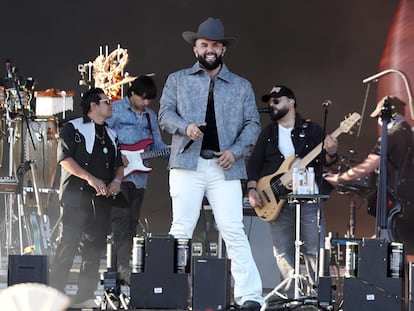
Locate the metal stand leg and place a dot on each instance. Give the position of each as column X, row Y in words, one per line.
column 298, row 244
column 296, row 276
column 113, row 298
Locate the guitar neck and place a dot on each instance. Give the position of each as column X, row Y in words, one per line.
column 155, row 153
column 286, row 178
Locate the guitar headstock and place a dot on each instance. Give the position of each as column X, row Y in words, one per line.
column 349, row 122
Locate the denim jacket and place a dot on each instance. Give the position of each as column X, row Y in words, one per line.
column 184, row 101
column 132, row 128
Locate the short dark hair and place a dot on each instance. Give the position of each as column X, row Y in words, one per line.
column 90, row 96
column 143, row 86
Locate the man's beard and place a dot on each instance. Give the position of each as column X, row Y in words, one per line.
column 210, row 66
column 279, row 114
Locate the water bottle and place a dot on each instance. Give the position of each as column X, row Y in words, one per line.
column 295, row 176
column 302, row 182
column 311, row 180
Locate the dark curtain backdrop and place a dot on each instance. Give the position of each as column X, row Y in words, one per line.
column 320, row 48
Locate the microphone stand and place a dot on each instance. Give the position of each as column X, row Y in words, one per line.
column 19, row 191
column 405, row 80
column 319, row 178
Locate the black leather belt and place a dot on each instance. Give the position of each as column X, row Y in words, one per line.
column 207, row 154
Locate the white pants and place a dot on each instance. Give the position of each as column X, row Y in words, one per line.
column 187, row 189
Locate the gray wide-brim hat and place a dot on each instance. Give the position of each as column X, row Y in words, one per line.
column 211, row 29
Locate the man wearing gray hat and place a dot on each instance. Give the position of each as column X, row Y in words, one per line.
column 400, row 169
column 212, row 115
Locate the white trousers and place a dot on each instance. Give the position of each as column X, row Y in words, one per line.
column 187, row 189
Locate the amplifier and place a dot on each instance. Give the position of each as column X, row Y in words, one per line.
column 28, row 269
column 160, row 285
column 361, row 295
column 211, row 283
column 374, row 288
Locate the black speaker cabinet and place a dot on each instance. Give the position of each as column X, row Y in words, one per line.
column 157, row 291
column 373, row 288
column 159, row 286
column 211, row 283
column 325, row 290
column 360, row 295
column 373, row 260
column 28, row 269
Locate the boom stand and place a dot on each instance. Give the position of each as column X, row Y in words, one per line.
column 299, row 279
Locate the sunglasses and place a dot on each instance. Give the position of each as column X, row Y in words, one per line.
column 274, row 101
column 106, row 101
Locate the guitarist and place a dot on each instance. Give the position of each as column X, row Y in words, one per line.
column 289, row 135
column 133, row 121
column 400, row 168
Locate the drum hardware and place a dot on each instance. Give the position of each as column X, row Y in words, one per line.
column 16, row 103
column 22, row 221
column 113, row 297
column 40, row 190
column 8, row 184
column 125, row 80
column 53, row 101
column 105, row 71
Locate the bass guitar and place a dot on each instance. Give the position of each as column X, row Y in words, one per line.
column 273, row 187
column 136, row 154
column 393, row 206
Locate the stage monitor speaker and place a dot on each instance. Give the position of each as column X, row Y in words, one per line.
column 373, row 259
column 159, row 291
column 211, row 283
column 325, row 291
column 360, row 295
column 159, row 286
column 28, row 269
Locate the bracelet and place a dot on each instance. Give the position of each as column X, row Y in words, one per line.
column 332, row 155
column 117, row 180
column 251, row 188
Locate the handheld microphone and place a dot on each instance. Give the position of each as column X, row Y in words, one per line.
column 9, row 68
column 190, row 141
column 326, row 103
column 264, row 110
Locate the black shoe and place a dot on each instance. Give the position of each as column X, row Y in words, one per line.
column 251, row 305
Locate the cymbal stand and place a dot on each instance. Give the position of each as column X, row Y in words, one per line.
column 10, row 218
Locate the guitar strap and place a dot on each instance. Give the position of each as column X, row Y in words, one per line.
column 149, row 123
